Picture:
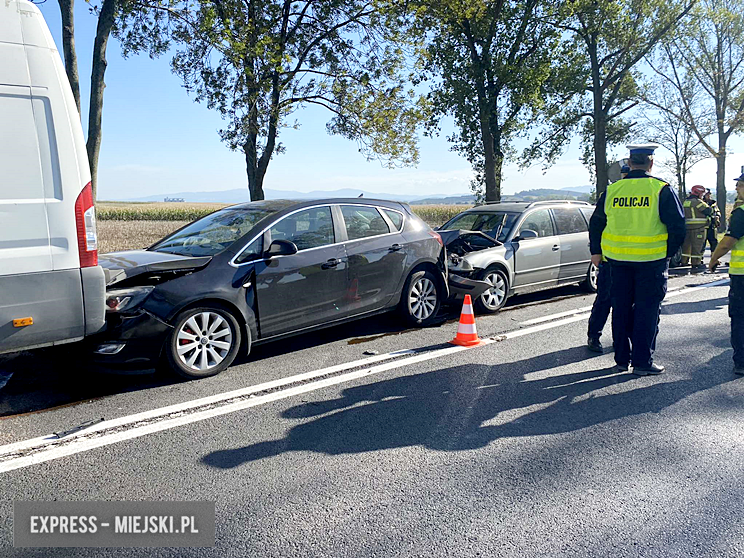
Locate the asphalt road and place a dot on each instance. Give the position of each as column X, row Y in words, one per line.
column 526, row 446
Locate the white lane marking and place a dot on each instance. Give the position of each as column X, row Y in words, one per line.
column 39, row 450
column 670, row 294
column 212, row 399
column 556, row 316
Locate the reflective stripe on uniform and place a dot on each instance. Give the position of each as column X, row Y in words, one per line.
column 736, row 265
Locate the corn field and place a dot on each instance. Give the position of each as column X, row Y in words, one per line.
column 133, row 226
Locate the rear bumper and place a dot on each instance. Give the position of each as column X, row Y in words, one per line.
column 94, row 299
column 460, row 286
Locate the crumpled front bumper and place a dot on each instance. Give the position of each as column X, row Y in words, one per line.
column 460, row 286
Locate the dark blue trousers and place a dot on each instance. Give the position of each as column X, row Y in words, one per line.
column 637, row 291
column 736, row 312
column 603, row 302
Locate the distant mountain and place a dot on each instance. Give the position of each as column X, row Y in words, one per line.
column 583, row 189
column 241, row 195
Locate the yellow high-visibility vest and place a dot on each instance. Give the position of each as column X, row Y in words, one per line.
column 634, row 231
column 736, row 265
column 694, row 217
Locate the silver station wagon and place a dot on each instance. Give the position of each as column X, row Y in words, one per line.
column 521, row 247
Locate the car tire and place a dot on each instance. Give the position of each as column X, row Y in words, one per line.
column 590, row 283
column 421, row 299
column 204, row 342
column 494, row 299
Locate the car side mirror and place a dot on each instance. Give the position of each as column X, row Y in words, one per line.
column 281, row 248
column 526, row 234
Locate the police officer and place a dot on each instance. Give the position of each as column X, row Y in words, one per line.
column 638, row 225
column 602, row 302
column 697, row 214
column 734, row 241
column 715, row 221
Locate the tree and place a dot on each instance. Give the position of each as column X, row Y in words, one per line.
column 67, row 11
column 106, row 14
column 607, row 39
column 708, row 51
column 257, row 62
column 492, row 62
column 668, row 127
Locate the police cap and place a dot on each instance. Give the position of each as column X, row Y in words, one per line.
column 625, row 169
column 643, row 148
column 740, row 178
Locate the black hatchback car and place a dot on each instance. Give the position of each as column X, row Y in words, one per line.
column 259, row 271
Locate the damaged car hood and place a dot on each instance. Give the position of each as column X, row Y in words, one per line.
column 120, row 266
column 462, row 242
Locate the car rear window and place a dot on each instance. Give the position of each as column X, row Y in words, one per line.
column 568, row 220
column 362, row 222
column 395, row 217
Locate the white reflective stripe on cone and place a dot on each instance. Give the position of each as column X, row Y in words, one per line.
column 467, row 309
column 466, row 328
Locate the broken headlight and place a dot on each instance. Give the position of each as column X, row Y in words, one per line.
column 121, row 300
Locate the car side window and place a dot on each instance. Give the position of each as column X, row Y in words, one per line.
column 363, row 222
column 587, row 212
column 311, row 228
column 540, row 222
column 568, row 220
column 395, row 217
column 252, row 252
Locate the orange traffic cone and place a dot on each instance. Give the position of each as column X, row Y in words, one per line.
column 466, row 336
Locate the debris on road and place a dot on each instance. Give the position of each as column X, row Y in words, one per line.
column 78, row 428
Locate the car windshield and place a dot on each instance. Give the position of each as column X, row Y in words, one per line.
column 214, row 233
column 495, row 224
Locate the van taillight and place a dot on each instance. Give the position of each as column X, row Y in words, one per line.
column 85, row 219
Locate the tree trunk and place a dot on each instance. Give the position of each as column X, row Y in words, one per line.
column 493, row 186
column 253, row 170
column 66, row 8
column 600, row 150
column 721, row 185
column 97, row 85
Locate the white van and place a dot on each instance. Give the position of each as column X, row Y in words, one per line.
column 51, row 286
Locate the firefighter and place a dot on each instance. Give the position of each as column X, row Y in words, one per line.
column 715, row 221
column 734, row 241
column 697, row 219
column 638, row 225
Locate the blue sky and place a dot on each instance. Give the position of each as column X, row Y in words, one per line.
column 157, row 140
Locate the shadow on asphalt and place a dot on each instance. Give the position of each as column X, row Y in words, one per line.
column 693, row 307
column 468, row 407
column 55, row 377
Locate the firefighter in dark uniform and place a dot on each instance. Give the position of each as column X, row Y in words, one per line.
column 602, row 302
column 715, row 221
column 734, row 241
column 637, row 226
column 697, row 219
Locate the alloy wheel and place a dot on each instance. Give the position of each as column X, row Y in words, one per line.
column 423, row 298
column 494, row 297
column 204, row 341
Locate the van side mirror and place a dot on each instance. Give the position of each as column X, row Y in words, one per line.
column 281, row 248
column 526, row 234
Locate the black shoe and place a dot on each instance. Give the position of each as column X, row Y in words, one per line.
column 594, row 345
column 738, row 370
column 653, row 370
column 621, row 367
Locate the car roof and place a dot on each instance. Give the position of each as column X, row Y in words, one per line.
column 280, row 205
column 519, row 207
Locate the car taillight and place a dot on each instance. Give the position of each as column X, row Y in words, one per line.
column 85, row 220
column 436, row 235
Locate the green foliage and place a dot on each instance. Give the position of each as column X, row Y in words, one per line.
column 605, row 40
column 491, row 63
column 256, row 63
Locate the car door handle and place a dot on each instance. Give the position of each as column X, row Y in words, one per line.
column 395, row 247
column 333, row 262
column 556, row 248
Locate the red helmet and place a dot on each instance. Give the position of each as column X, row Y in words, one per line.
column 697, row 190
